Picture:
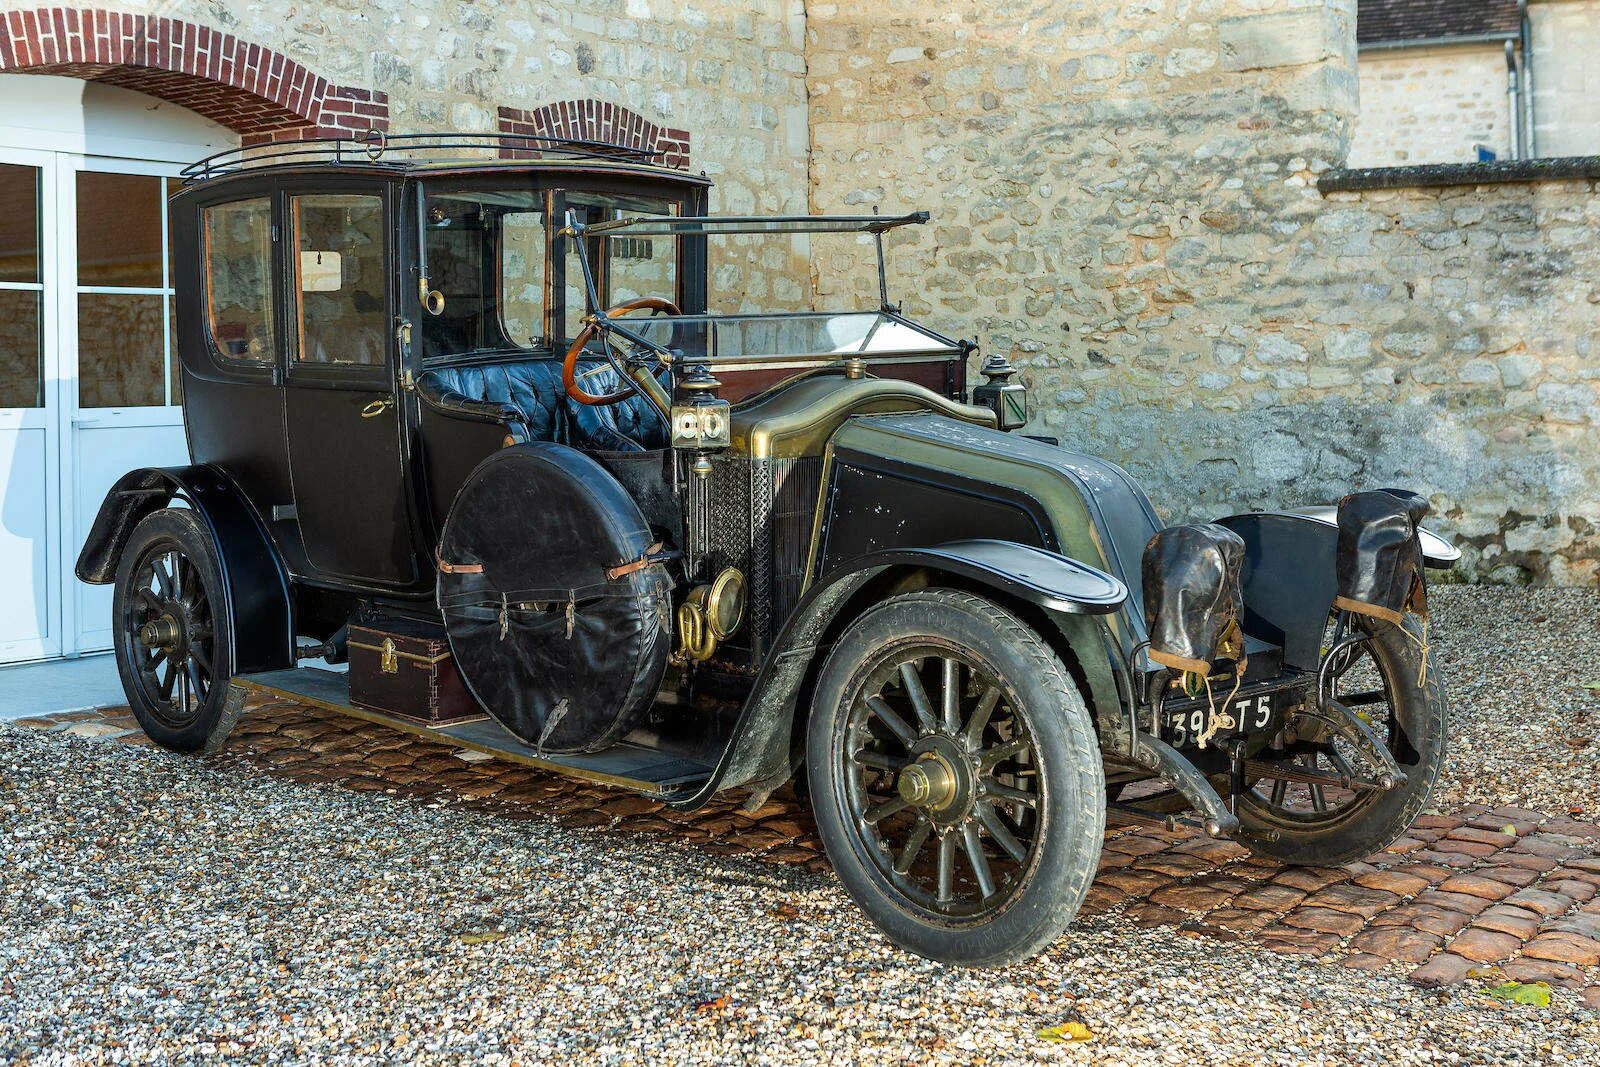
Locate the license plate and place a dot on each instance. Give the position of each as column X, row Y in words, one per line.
column 1251, row 713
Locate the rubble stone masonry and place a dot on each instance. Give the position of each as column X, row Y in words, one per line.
column 1126, row 202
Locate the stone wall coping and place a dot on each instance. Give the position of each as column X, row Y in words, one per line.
column 1498, row 172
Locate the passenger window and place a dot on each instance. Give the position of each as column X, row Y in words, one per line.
column 522, row 277
column 339, row 279
column 238, row 258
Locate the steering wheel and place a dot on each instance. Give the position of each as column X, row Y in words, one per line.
column 569, row 366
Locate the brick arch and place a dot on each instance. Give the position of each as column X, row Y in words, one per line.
column 596, row 120
column 261, row 94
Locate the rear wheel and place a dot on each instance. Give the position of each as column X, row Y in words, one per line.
column 174, row 639
column 1322, row 809
column 956, row 778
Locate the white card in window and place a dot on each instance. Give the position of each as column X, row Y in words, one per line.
column 321, row 272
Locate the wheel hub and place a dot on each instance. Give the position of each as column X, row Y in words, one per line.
column 941, row 780
column 162, row 632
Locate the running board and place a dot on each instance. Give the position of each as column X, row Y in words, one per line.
column 626, row 765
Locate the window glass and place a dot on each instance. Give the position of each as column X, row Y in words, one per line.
column 21, row 291
column 486, row 257
column 626, row 267
column 19, row 224
column 119, row 229
column 121, row 350
column 522, row 277
column 339, row 276
column 238, row 249
column 20, row 351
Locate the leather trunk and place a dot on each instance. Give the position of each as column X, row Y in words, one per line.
column 405, row 668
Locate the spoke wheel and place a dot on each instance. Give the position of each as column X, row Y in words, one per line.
column 956, row 778
column 172, row 631
column 1326, row 807
column 943, row 790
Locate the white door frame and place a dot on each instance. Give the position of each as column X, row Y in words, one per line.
column 76, row 635
column 49, row 642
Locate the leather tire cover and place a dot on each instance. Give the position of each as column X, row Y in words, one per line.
column 564, row 657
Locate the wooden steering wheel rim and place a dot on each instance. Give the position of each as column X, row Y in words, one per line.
column 569, row 365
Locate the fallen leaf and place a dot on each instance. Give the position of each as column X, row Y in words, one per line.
column 1509, row 830
column 714, row 1005
column 1534, row 993
column 1579, row 742
column 785, row 911
column 1485, row 972
column 1069, row 1031
column 1592, row 686
column 479, row 937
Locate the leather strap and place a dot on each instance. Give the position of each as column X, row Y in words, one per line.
column 652, row 555
column 455, row 568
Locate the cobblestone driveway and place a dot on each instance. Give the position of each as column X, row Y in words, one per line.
column 1504, row 891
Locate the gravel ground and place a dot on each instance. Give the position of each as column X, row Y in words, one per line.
column 158, row 910
column 1523, row 729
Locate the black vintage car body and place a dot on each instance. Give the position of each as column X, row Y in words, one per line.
column 688, row 552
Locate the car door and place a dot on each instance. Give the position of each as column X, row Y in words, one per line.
column 345, row 429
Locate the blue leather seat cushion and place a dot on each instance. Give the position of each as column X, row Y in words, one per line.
column 534, row 388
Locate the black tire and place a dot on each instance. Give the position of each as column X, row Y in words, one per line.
column 1035, row 714
column 173, row 634
column 1371, row 822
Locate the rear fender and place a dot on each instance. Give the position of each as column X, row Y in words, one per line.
column 253, row 577
column 1289, row 576
column 761, row 752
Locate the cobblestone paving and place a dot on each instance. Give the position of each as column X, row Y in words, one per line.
column 1479, row 893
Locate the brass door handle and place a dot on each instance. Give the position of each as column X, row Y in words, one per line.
column 377, row 407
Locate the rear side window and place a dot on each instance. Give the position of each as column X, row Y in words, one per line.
column 339, row 273
column 238, row 258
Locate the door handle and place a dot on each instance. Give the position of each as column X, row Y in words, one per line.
column 377, row 407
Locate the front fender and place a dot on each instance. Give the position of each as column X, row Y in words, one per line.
column 760, row 749
column 254, row 580
column 1289, row 576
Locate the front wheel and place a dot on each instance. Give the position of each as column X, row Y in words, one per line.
column 956, row 778
column 174, row 638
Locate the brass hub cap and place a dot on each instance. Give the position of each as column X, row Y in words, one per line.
column 159, row 633
column 929, row 783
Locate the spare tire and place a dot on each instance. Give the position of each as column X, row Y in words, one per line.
column 555, row 600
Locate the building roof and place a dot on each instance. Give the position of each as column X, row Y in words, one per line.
column 1392, row 21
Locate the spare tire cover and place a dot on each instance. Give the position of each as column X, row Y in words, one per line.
column 565, row 657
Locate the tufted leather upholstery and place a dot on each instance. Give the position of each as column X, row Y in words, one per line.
column 534, row 388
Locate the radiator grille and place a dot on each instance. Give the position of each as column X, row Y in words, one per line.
column 757, row 515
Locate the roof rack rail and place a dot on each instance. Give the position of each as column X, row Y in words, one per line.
column 376, row 148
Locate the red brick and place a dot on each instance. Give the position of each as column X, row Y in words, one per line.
column 1444, row 969
column 1324, row 919
column 1476, row 885
column 1565, row 948
column 1397, row 943
column 1484, row 946
column 1394, row 881
column 1556, row 973
column 1545, row 903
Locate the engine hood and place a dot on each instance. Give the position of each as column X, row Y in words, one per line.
column 974, row 481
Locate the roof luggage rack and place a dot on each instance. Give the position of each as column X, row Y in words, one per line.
column 376, row 148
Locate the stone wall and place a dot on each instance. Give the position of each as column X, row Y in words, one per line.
column 730, row 72
column 1566, row 76
column 1125, row 202
column 1431, row 105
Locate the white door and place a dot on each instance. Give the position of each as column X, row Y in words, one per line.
column 30, row 419
column 88, row 375
column 116, row 318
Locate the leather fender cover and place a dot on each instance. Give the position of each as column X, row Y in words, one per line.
column 1379, row 563
column 1193, row 599
column 555, row 634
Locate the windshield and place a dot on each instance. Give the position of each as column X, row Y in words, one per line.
column 505, row 278
column 805, row 334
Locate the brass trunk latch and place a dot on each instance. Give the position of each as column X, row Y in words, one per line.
column 388, row 662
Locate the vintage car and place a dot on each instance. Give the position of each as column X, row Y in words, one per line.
column 466, row 418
